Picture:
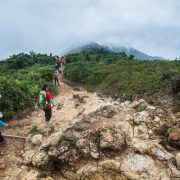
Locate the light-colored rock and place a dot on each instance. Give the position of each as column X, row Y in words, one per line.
column 128, row 173
column 178, row 160
column 141, row 117
column 53, row 140
column 15, row 174
column 160, row 153
column 157, row 119
column 95, row 155
column 141, row 132
column 140, row 146
column 111, row 165
column 128, row 117
column 37, row 139
column 2, row 166
column 114, row 140
column 86, row 171
column 131, row 176
column 53, row 152
column 174, row 170
column 127, row 129
column 134, row 104
column 15, row 160
column 2, row 161
column 30, row 175
column 127, row 103
column 150, row 107
column 96, row 107
column 81, row 143
column 40, row 159
column 151, row 148
column 69, row 175
column 141, row 163
column 99, row 177
column 27, row 156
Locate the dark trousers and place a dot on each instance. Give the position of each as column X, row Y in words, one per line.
column 2, row 140
column 48, row 114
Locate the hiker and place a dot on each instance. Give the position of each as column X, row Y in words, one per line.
column 3, row 123
column 56, row 66
column 45, row 102
column 56, row 62
column 62, row 61
column 55, row 59
column 60, row 71
column 57, row 77
column 2, row 140
column 60, row 74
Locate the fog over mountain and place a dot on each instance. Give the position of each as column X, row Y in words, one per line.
column 115, row 49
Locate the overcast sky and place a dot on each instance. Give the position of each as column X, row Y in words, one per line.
column 151, row 26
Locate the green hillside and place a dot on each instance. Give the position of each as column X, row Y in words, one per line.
column 21, row 77
column 120, row 76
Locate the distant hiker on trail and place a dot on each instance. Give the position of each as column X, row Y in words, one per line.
column 57, row 77
column 56, row 66
column 55, row 59
column 56, row 62
column 62, row 61
column 60, row 71
column 45, row 102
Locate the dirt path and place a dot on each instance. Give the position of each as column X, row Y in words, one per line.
column 74, row 105
column 11, row 153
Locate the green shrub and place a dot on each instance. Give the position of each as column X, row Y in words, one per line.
column 21, row 78
column 121, row 76
column 34, row 130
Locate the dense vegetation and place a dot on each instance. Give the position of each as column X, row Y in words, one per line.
column 121, row 76
column 21, row 77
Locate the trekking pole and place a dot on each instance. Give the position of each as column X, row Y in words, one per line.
column 13, row 136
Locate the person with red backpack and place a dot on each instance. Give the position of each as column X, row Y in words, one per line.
column 45, row 102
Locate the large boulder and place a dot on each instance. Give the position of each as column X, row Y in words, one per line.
column 86, row 139
column 141, row 117
column 144, row 166
column 27, row 157
column 112, row 139
column 37, row 139
column 152, row 148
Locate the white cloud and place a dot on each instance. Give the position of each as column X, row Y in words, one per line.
column 54, row 25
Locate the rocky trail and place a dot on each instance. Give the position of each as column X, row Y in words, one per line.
column 92, row 137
